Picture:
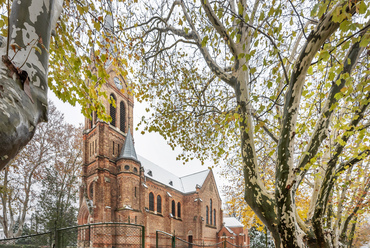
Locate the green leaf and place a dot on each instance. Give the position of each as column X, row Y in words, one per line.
column 310, row 70
column 362, row 8
column 365, row 40
column 37, row 49
column 204, row 41
column 345, row 25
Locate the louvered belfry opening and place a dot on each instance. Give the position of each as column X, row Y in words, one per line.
column 122, row 116
column 112, row 111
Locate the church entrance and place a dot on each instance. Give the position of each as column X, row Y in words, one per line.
column 190, row 240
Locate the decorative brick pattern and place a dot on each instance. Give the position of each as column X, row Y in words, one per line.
column 120, row 190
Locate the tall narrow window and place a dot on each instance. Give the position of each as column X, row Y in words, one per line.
column 214, row 216
column 122, row 116
column 151, row 201
column 92, row 191
column 96, row 146
column 210, row 212
column 113, row 147
column 173, row 208
column 112, row 110
column 179, row 209
column 135, row 192
column 207, row 215
column 159, row 204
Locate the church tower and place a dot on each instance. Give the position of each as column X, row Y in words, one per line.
column 119, row 187
column 111, row 171
column 108, row 156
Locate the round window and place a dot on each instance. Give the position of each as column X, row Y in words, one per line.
column 127, row 167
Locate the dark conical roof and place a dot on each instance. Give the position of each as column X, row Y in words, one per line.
column 128, row 149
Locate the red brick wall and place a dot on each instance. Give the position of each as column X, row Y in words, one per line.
column 113, row 193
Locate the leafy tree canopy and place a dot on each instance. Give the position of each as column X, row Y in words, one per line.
column 278, row 90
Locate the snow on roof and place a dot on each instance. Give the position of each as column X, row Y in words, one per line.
column 232, row 222
column 229, row 230
column 185, row 184
column 190, row 182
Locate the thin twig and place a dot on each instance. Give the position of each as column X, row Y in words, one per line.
column 299, row 19
column 8, row 38
column 346, row 39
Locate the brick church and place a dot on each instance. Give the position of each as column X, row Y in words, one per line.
column 120, row 186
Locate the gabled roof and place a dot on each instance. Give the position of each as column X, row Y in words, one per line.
column 230, row 231
column 190, row 182
column 128, row 149
column 232, row 222
column 185, row 184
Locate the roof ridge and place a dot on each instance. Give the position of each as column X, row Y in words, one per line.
column 195, row 173
column 162, row 175
column 159, row 166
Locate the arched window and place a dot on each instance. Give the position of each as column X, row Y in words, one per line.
column 112, row 110
column 210, row 212
column 159, row 204
column 122, row 116
column 214, row 216
column 173, row 208
column 151, row 201
column 207, row 215
column 179, row 209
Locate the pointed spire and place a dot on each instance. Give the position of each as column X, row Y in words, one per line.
column 128, row 149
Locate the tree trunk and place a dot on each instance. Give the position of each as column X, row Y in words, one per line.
column 23, row 71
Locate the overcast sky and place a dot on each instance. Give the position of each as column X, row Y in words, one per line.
column 151, row 145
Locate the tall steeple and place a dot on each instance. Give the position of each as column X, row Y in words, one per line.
column 109, row 31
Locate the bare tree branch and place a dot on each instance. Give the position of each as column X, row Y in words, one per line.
column 217, row 24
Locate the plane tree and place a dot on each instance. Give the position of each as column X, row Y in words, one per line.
column 281, row 85
column 51, row 160
column 52, row 44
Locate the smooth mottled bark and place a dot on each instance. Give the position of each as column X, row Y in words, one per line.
column 271, row 82
column 23, row 74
